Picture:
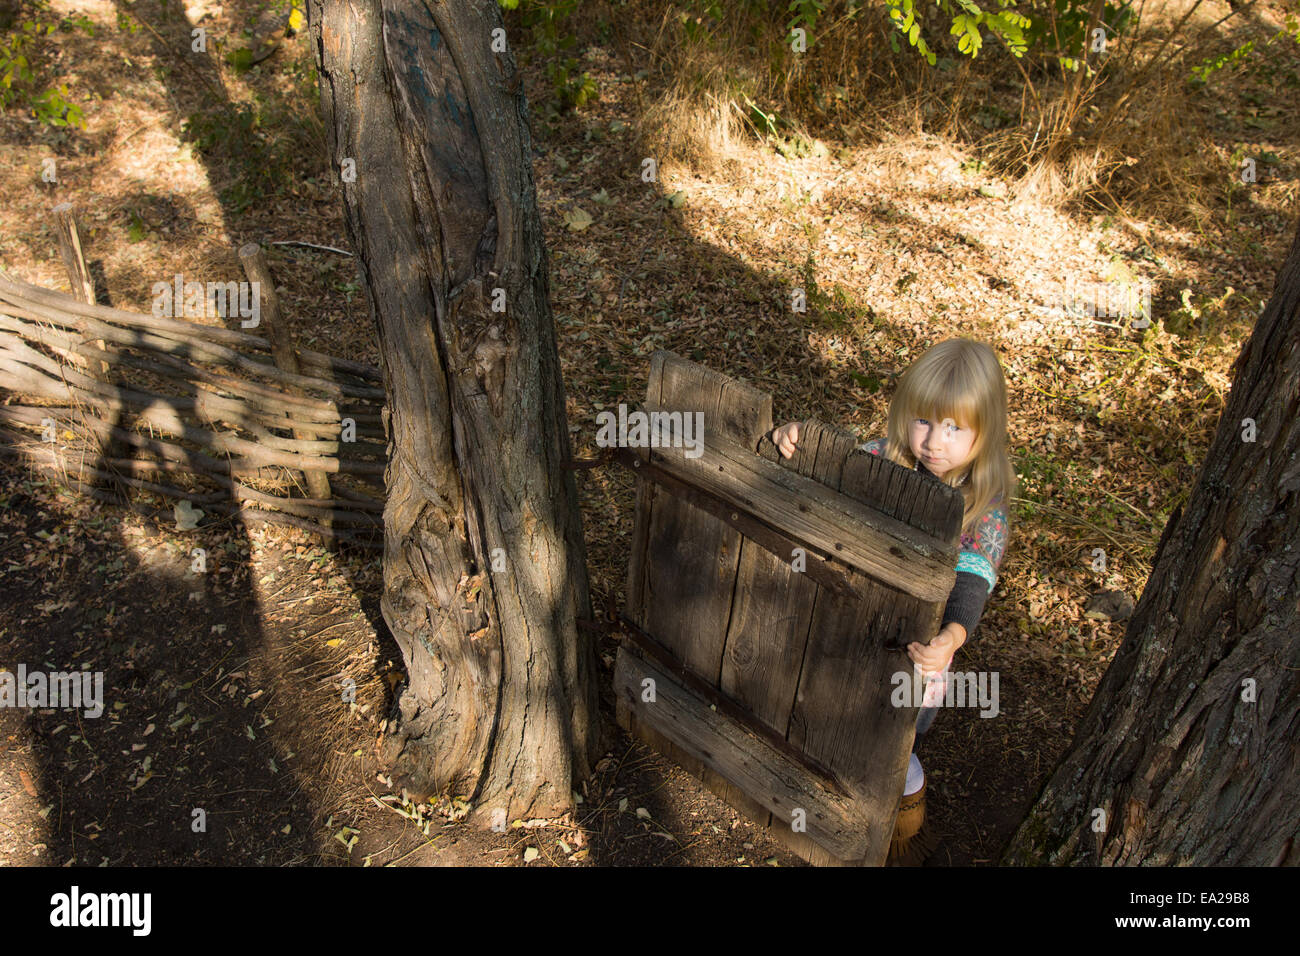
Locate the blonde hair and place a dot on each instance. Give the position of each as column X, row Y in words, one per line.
column 959, row 379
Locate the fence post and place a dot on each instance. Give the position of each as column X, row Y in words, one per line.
column 72, row 250
column 74, row 260
column 282, row 350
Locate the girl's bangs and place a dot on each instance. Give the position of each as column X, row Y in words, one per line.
column 935, row 399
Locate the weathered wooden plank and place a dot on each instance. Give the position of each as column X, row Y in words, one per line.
column 771, row 611
column 656, row 741
column 733, row 411
column 880, row 546
column 779, row 829
column 890, row 489
column 743, row 414
column 634, row 599
column 690, row 556
column 822, row 568
column 823, row 450
column 649, row 648
column 741, row 758
column 691, row 563
column 900, row 498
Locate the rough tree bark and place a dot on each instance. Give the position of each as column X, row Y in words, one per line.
column 428, row 135
column 1187, row 764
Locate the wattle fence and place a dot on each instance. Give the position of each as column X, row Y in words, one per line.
column 116, row 403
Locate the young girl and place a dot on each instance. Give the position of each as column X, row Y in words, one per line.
column 947, row 420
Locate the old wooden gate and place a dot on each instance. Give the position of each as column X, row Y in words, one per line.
column 772, row 683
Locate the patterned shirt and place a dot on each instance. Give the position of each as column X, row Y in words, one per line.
column 978, row 559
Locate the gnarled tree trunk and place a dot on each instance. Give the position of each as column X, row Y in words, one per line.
column 484, row 565
column 1190, row 749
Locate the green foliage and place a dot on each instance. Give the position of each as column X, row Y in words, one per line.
column 1057, row 28
column 127, row 24
column 699, row 29
column 22, row 52
column 136, row 231
column 837, row 311
column 1213, row 64
column 806, row 13
column 249, row 140
column 1238, row 57
column 552, row 38
column 764, row 123
column 966, row 20
column 1208, row 312
column 785, row 139
column 1061, row 28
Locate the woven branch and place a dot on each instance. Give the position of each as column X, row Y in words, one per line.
column 72, row 465
column 167, row 339
column 208, row 406
column 228, row 409
column 60, row 305
column 102, row 430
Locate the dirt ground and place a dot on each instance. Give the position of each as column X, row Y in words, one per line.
column 227, row 736
column 224, row 696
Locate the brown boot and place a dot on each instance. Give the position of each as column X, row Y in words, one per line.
column 912, row 842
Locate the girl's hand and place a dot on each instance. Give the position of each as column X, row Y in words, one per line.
column 785, row 437
column 935, row 656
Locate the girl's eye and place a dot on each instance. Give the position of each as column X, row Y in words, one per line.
column 924, row 421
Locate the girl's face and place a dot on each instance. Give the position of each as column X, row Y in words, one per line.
column 941, row 446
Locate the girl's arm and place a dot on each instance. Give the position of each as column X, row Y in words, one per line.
column 978, row 561
column 977, row 566
column 966, row 603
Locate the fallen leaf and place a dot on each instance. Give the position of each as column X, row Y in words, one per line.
column 28, row 785
column 187, row 516
column 578, row 219
column 530, row 854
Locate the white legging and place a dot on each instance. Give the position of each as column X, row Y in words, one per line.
column 915, row 776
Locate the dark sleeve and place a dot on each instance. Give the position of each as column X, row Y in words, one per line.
column 978, row 562
column 966, row 602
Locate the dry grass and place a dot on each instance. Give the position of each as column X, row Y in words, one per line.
column 1073, row 139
